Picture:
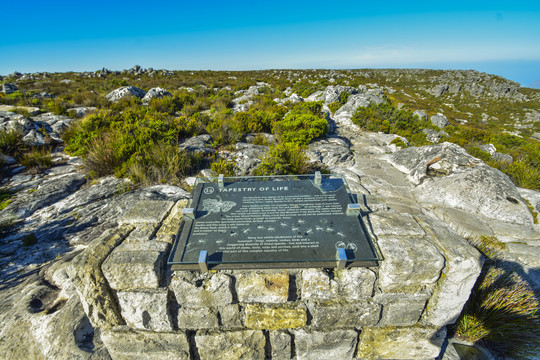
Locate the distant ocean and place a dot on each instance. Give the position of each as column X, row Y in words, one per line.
column 525, row 72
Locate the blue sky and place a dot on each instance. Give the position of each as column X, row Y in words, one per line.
column 501, row 37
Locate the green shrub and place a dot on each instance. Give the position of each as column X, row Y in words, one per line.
column 5, row 196
column 11, row 142
column 334, row 106
column 223, row 167
column 38, row 158
column 343, row 97
column 163, row 164
column 300, row 129
column 522, row 174
column 284, row 159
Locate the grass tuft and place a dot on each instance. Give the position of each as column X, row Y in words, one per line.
column 502, row 312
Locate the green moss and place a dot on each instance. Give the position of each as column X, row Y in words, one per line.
column 29, row 240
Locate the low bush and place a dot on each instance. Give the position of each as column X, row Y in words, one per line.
column 37, row 159
column 334, row 106
column 503, row 311
column 386, row 118
column 223, row 167
column 284, row 159
column 11, row 142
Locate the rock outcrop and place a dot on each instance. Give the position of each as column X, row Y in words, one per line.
column 125, row 91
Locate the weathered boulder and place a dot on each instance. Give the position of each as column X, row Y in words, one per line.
column 332, row 93
column 421, row 115
column 439, row 120
column 9, row 88
column 200, row 144
column 331, row 151
column 447, row 176
column 344, row 114
column 145, row 309
column 248, row 157
column 254, row 138
column 125, row 91
column 157, row 93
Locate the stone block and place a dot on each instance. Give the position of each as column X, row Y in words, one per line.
column 147, row 211
column 91, row 285
column 169, row 227
column 348, row 284
column 264, row 288
column 146, row 310
column 197, row 318
column 124, row 344
column 409, row 264
column 274, row 317
column 143, row 232
column 401, row 309
column 317, row 285
column 136, row 265
column 355, row 283
column 280, row 345
column 211, row 289
column 317, row 345
column 231, row 316
column 400, row 343
column 338, row 314
column 247, row 344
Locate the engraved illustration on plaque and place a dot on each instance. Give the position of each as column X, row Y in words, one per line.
column 217, row 205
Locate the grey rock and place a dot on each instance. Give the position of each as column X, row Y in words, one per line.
column 502, row 157
column 49, row 191
column 462, row 267
column 489, row 148
column 247, row 344
column 332, row 93
column 125, row 91
column 82, row 111
column 344, row 114
column 421, row 115
column 157, row 93
column 318, row 345
column 330, row 151
column 266, row 137
column 7, row 160
column 126, row 344
column 448, row 176
column 9, row 88
column 93, row 289
column 44, row 95
column 248, row 157
column 438, row 90
column 439, row 120
column 432, row 136
column 200, row 144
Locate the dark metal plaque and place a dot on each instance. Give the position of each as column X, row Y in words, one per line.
column 283, row 223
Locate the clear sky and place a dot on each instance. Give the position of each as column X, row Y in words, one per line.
column 500, row 37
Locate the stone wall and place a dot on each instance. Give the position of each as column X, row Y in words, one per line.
column 398, row 310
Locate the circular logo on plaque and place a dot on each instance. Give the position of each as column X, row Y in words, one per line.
column 209, row 190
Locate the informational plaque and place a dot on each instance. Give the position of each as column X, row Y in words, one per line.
column 282, row 222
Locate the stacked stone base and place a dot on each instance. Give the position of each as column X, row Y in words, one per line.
column 398, row 310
